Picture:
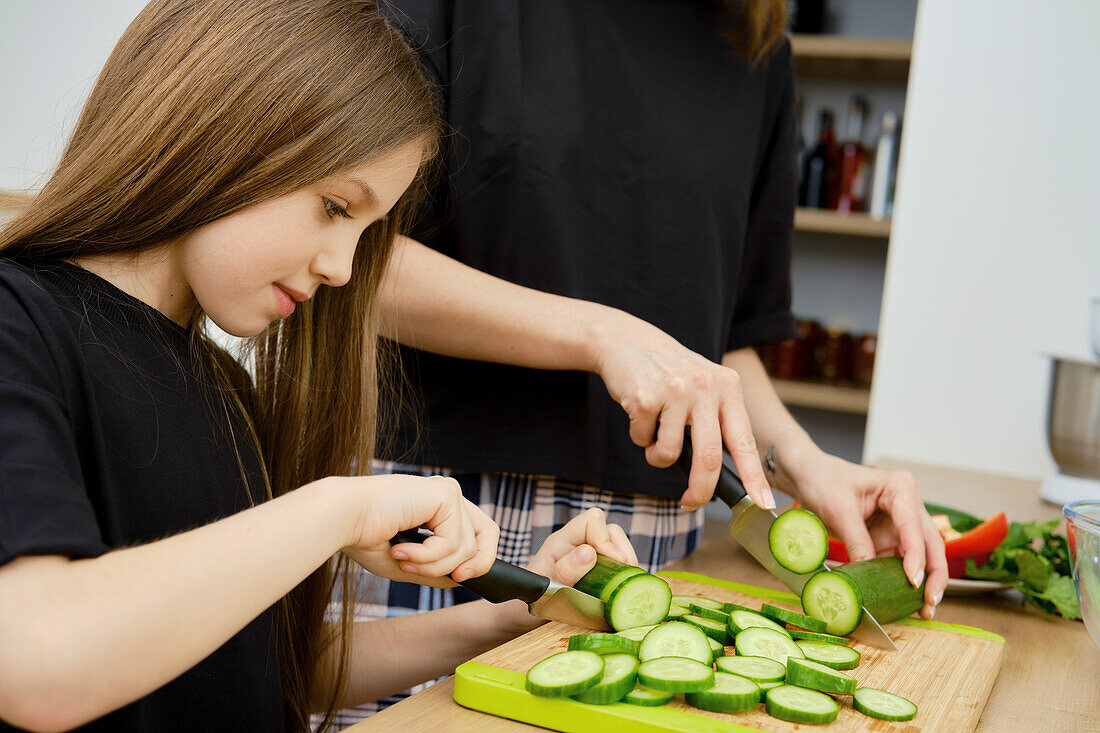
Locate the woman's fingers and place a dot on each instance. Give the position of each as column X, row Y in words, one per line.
column 739, row 440
column 706, row 458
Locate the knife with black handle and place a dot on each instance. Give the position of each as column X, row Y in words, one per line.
column 545, row 598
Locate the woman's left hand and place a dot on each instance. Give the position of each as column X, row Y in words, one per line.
column 875, row 512
column 567, row 555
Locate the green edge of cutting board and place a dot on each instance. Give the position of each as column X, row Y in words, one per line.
column 501, row 692
column 787, row 597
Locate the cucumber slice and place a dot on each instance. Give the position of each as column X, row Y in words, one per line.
column 675, row 612
column 711, row 613
column 784, row 616
column 605, row 576
column 647, row 696
column 761, row 642
column 699, row 600
column 675, row 674
column 731, row 607
column 816, row 676
column 797, row 634
column 757, row 669
column 675, row 639
column 765, row 686
column 714, row 629
column 637, row 633
column 619, row 673
column 798, row 541
column 799, row 705
column 834, row 599
column 883, row 705
column 717, row 649
column 831, row 655
column 603, row 643
column 565, row 673
column 640, row 600
column 741, row 620
column 728, row 694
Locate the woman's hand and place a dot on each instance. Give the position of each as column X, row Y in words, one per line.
column 463, row 545
column 665, row 387
column 566, row 556
column 875, row 512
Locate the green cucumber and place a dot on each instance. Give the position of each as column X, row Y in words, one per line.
column 883, row 705
column 785, row 616
column 565, row 673
column 639, row 600
column 798, row 541
column 879, row 585
column 799, row 705
column 675, row 612
column 619, row 673
column 637, row 633
column 717, row 648
column 712, row 613
column 675, row 674
column 700, row 600
column 605, row 576
column 731, row 607
column 765, row 686
column 741, row 620
column 815, row 676
column 797, row 634
column 675, row 639
column 757, row 669
column 728, row 694
column 647, row 696
column 761, row 642
column 714, row 629
column 831, row 655
column 603, row 643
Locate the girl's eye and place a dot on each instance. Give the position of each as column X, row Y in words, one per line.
column 334, row 209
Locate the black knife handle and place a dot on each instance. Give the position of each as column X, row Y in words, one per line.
column 503, row 582
column 729, row 490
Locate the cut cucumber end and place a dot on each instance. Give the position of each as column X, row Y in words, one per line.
column 640, row 600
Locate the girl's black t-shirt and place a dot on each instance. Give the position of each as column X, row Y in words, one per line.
column 108, row 439
column 617, row 152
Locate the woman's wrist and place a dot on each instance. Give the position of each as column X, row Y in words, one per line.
column 791, row 450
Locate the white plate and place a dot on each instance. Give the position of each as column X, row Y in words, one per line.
column 956, row 586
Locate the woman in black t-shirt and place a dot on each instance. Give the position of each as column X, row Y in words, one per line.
column 169, row 525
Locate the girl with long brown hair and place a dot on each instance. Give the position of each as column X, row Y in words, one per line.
column 169, row 524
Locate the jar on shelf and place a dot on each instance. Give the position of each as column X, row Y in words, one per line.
column 836, row 365
column 863, row 359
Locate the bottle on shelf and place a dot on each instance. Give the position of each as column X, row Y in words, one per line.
column 885, row 168
column 821, row 167
column 852, row 192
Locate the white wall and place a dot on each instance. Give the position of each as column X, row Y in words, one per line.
column 995, row 251
column 50, row 54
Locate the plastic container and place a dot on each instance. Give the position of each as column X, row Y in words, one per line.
column 1083, row 529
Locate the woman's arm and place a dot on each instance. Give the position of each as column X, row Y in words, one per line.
column 432, row 302
column 79, row 638
column 874, row 511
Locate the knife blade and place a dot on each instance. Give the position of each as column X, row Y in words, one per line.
column 545, row 598
column 750, row 526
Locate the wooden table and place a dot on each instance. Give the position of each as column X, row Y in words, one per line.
column 1050, row 680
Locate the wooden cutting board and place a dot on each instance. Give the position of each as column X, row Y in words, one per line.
column 946, row 669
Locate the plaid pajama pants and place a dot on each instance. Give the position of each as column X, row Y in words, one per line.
column 528, row 509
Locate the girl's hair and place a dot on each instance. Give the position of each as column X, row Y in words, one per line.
column 205, row 108
column 757, row 26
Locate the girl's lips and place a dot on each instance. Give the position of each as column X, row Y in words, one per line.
column 284, row 302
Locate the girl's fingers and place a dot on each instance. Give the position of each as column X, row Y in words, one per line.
column 622, row 544
column 572, row 566
column 486, row 536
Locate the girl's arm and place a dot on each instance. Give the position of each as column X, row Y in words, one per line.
column 80, row 638
column 432, row 302
column 874, row 511
column 393, row 654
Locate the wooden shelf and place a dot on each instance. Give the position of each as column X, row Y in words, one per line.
column 851, row 57
column 854, row 400
column 831, row 222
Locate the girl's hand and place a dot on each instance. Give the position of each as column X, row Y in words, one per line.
column 875, row 512
column 464, row 543
column 664, row 387
column 566, row 556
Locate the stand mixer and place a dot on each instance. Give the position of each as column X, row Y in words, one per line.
column 1073, row 430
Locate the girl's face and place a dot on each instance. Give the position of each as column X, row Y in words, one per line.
column 251, row 268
